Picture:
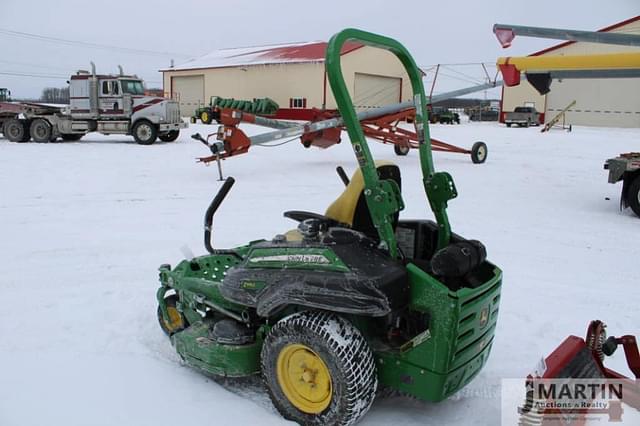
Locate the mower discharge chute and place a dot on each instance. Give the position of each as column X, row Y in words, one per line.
column 352, row 299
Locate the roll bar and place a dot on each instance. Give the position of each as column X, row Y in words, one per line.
column 383, row 197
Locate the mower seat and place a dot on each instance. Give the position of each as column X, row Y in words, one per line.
column 350, row 208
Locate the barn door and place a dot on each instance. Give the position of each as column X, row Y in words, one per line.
column 190, row 91
column 372, row 91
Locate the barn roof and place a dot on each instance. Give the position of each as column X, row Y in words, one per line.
column 313, row 51
column 601, row 30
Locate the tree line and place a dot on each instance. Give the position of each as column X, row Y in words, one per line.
column 55, row 95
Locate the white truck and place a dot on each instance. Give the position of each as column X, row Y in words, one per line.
column 522, row 116
column 108, row 104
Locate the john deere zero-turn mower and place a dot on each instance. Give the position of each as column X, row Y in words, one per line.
column 350, row 300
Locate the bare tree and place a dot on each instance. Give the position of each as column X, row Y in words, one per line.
column 55, row 95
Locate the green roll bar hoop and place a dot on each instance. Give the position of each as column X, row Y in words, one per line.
column 383, row 196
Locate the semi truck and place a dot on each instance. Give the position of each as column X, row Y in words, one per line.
column 107, row 104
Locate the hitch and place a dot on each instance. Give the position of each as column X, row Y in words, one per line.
column 217, row 149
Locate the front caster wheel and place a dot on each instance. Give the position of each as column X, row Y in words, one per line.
column 318, row 369
column 479, row 152
column 176, row 321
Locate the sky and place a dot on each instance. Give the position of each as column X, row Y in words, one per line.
column 144, row 36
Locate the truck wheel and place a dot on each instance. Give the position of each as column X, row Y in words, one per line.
column 205, row 117
column 16, row 130
column 71, row 136
column 144, row 132
column 633, row 195
column 177, row 321
column 401, row 149
column 41, row 130
column 170, row 136
column 479, row 152
column 318, row 369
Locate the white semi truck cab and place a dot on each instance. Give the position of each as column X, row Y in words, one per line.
column 108, row 104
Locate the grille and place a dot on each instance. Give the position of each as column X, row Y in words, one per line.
column 173, row 112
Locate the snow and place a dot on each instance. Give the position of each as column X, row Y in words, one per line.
column 238, row 56
column 85, row 226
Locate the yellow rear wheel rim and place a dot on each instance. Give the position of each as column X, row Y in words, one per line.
column 175, row 319
column 304, row 378
column 204, row 116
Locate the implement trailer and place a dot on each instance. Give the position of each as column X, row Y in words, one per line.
column 383, row 124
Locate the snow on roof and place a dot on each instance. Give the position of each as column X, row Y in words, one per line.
column 313, row 51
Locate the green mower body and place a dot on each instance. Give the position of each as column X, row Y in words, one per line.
column 355, row 286
column 448, row 329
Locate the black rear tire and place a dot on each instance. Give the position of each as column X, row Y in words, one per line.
column 170, row 136
column 16, row 130
column 479, row 152
column 71, row 137
column 145, row 132
column 344, row 352
column 633, row 195
column 41, row 131
column 401, row 150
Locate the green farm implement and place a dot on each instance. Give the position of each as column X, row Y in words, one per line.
column 350, row 300
column 211, row 112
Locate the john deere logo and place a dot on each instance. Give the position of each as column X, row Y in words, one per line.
column 484, row 317
column 253, row 285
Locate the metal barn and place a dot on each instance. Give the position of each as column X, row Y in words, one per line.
column 291, row 74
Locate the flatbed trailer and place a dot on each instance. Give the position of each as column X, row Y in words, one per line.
column 626, row 168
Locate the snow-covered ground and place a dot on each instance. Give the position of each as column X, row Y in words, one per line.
column 85, row 225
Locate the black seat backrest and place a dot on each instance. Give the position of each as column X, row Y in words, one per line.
column 362, row 218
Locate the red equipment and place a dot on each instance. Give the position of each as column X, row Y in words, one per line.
column 578, row 358
column 385, row 128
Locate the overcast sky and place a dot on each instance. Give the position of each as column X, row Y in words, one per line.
column 435, row 32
